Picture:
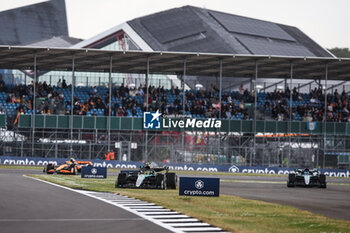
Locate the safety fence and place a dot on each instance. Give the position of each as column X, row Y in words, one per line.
column 133, row 123
column 32, row 161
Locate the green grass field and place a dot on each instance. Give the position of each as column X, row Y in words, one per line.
column 178, row 172
column 231, row 213
column 20, row 167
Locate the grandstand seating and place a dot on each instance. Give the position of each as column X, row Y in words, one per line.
column 231, row 101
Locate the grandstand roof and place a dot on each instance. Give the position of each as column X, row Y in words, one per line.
column 35, row 22
column 193, row 29
column 197, row 64
column 56, row 41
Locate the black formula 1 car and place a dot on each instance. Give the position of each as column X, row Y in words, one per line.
column 147, row 178
column 71, row 167
column 307, row 178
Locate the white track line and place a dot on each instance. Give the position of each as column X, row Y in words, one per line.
column 196, row 229
column 183, row 220
column 159, row 223
column 161, row 213
column 70, row 219
column 171, row 216
column 194, row 224
column 141, row 204
column 153, row 210
column 168, row 219
column 148, row 207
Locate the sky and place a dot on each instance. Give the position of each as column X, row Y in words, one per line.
column 326, row 21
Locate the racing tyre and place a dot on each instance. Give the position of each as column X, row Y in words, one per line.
column 291, row 180
column 50, row 168
column 161, row 181
column 322, row 179
column 171, row 180
column 121, row 180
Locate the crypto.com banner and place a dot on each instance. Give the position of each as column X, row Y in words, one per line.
column 11, row 160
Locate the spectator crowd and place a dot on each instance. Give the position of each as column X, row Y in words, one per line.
column 131, row 101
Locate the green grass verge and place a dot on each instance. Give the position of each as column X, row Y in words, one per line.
column 231, row 213
column 21, row 167
column 199, row 173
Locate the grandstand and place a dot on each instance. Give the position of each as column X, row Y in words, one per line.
column 92, row 133
column 93, row 101
column 282, row 108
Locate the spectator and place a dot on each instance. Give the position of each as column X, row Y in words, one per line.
column 59, row 84
column 64, row 84
column 140, row 91
column 134, row 111
column 241, row 89
column 201, row 102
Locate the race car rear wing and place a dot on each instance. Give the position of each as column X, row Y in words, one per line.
column 81, row 162
column 159, row 169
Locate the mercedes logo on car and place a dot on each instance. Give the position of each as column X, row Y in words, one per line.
column 199, row 184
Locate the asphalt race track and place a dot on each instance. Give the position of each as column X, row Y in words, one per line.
column 30, row 204
column 334, row 201
column 27, row 205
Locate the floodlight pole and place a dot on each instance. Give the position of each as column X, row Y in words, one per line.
column 34, row 99
column 290, row 112
column 255, row 109
column 110, row 102
column 183, row 105
column 72, row 106
column 325, row 118
column 146, row 140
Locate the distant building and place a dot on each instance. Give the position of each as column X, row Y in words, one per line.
column 193, row 29
column 185, row 29
column 33, row 23
column 43, row 25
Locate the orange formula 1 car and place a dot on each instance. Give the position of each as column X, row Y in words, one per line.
column 71, row 167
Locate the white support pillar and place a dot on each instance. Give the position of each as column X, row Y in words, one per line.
column 220, row 100
column 145, row 157
column 290, row 113
column 255, row 109
column 110, row 102
column 220, row 87
column 34, row 105
column 183, row 105
column 72, row 106
column 325, row 118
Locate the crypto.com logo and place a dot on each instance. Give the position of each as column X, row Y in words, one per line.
column 199, row 184
column 233, row 169
column 94, row 171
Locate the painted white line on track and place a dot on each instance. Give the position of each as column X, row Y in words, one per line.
column 166, row 218
column 172, row 216
column 125, row 202
column 141, row 204
column 154, row 210
column 70, row 219
column 179, row 220
column 196, row 229
column 194, row 224
column 161, row 213
column 148, row 208
column 89, row 194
